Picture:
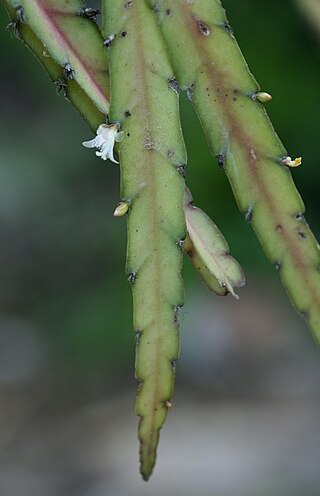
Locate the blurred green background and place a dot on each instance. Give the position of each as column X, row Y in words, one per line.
column 246, row 410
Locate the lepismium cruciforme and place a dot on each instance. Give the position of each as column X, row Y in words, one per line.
column 155, row 48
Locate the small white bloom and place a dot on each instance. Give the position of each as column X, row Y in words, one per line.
column 107, row 135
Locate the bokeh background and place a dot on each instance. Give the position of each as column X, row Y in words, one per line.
column 246, row 410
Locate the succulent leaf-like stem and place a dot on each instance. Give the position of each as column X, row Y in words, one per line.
column 145, row 105
column 210, row 67
column 72, row 39
column 68, row 88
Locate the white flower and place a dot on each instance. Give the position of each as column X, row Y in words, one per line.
column 107, row 135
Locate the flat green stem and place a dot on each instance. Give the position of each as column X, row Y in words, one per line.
column 69, row 88
column 152, row 155
column 72, row 40
column 211, row 68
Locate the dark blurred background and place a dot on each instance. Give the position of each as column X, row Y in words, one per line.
column 246, row 417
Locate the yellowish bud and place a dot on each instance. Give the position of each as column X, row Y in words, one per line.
column 291, row 163
column 262, row 97
column 121, row 209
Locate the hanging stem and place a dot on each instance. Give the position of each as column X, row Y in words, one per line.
column 144, row 102
column 68, row 43
column 211, row 68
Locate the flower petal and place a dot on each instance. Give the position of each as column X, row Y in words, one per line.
column 111, row 157
column 90, row 144
column 106, row 135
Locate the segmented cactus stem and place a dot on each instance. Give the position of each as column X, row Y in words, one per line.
column 211, row 69
column 144, row 102
column 209, row 66
column 68, row 43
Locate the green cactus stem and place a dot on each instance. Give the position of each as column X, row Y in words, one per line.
column 71, row 38
column 144, row 112
column 210, row 67
column 66, row 87
column 144, row 102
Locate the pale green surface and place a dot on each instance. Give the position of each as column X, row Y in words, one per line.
column 71, row 39
column 74, row 93
column 203, row 272
column 210, row 253
column 150, row 153
column 237, row 127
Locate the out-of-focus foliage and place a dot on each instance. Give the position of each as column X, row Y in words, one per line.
column 311, row 9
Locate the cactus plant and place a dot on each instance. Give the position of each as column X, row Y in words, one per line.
column 53, row 47
column 155, row 48
column 210, row 67
column 145, row 105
